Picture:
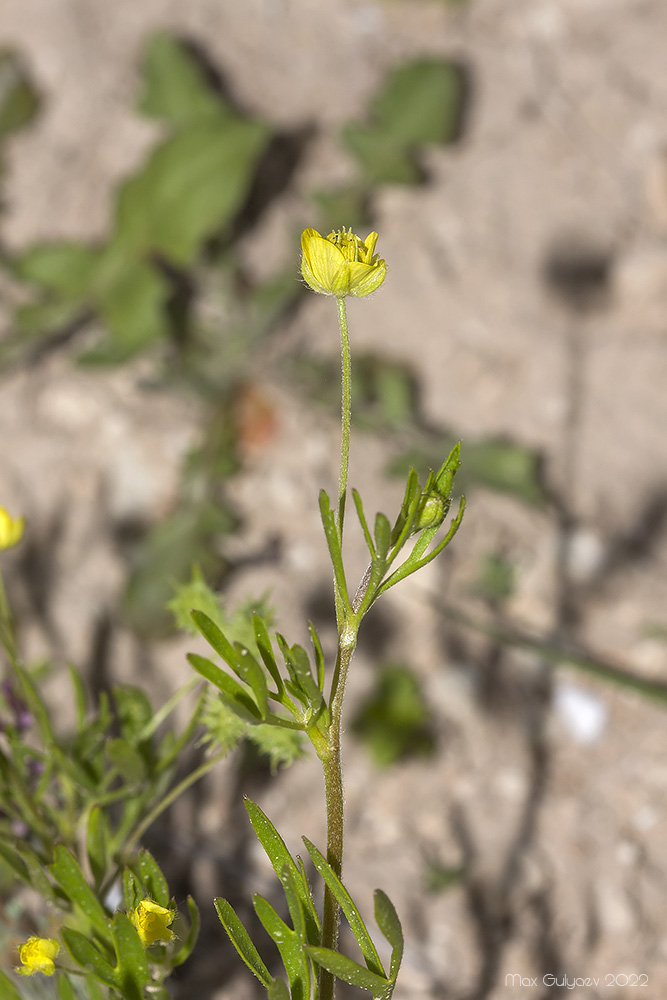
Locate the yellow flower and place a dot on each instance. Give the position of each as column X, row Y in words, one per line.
column 11, row 529
column 341, row 263
column 37, row 955
column 152, row 922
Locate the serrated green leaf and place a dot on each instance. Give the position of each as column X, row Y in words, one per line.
column 87, row 956
column 280, row 857
column 350, row 972
column 388, row 922
column 176, row 87
column 132, row 970
column 67, row 873
column 348, row 907
column 191, row 187
column 239, row 937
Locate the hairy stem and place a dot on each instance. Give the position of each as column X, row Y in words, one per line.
column 345, row 410
column 333, row 784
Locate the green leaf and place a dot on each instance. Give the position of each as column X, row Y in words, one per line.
column 67, row 873
column 422, row 102
column 147, row 868
column 191, row 187
column 64, row 269
column 278, row 990
column 248, row 670
column 239, row 937
column 127, row 759
column 65, row 988
column 215, row 637
column 176, row 87
column 7, row 989
column 132, row 971
column 350, row 972
column 289, row 945
column 266, row 651
column 97, row 835
column 280, row 857
column 319, row 655
column 334, row 545
column 134, row 711
column 388, row 922
column 382, row 532
column 87, row 956
column 234, row 696
column 131, row 303
column 190, row 940
column 19, row 100
column 346, row 904
column 364, row 523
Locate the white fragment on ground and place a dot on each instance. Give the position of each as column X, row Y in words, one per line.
column 583, row 713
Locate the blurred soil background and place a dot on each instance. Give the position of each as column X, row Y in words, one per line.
column 502, row 787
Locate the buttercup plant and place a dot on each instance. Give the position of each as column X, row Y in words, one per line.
column 340, row 265
column 74, row 808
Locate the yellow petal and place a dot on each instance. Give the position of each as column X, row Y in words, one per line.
column 321, row 263
column 37, row 955
column 11, row 529
column 366, row 278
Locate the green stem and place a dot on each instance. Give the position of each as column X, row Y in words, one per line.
column 333, row 784
column 347, row 640
column 345, row 411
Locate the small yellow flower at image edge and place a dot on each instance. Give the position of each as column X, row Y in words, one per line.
column 152, row 922
column 37, row 955
column 341, row 263
column 11, row 529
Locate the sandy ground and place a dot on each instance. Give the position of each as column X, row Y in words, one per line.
column 549, row 788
